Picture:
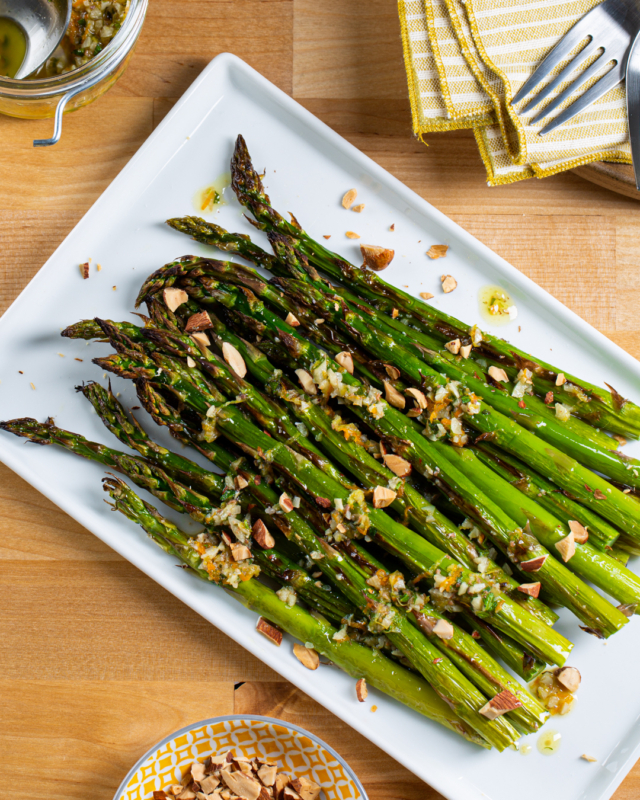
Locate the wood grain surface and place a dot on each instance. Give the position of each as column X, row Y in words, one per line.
column 85, row 688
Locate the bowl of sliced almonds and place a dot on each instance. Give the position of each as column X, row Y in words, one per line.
column 241, row 758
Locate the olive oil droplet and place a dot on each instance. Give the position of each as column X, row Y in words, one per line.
column 496, row 307
column 212, row 197
column 549, row 742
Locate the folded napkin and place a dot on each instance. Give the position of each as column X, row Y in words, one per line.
column 466, row 60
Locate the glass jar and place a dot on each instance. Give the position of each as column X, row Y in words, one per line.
column 51, row 97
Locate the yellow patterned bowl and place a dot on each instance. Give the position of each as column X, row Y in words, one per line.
column 298, row 753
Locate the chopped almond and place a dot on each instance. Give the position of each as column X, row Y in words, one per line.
column 532, row 589
column 590, row 759
column 306, row 381
column 84, row 270
column 534, row 564
column 392, row 372
column 438, row 251
column 345, row 360
column 500, row 704
column 261, row 534
column 307, row 656
column 359, row 208
column 209, row 784
column 292, row 320
column 174, row 298
column 351, row 235
column 197, row 771
column 361, row 690
column 269, row 630
column 267, row 774
column 282, row 781
column 326, row 236
column 465, row 350
column 393, row 396
column 418, row 396
column 399, row 466
column 570, row 678
column 560, row 379
column 240, row 552
column 202, row 340
column 349, row 197
column 443, row 629
column 453, row 346
column 580, row 533
column 190, row 362
column 566, row 547
column 307, row 789
column 383, row 497
column 426, row 295
column 394, row 313
column 234, row 359
column 498, row 374
column 240, row 482
column 376, row 258
column 449, row 283
column 187, row 794
column 285, row 503
column 290, row 793
column 241, row 784
column 198, row 322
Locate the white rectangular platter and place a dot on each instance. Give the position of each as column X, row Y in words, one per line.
column 308, row 169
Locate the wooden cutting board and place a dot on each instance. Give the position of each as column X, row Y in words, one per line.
column 617, row 177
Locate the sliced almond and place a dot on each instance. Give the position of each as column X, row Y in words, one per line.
column 465, row 350
column 240, row 552
column 534, row 564
column 209, row 784
column 197, row 771
column 292, row 320
column 306, row 788
column 449, row 283
column 426, row 295
column 345, row 360
column 392, row 372
column 267, row 774
column 282, row 781
column 453, row 346
column 269, row 630
column 498, row 374
column 290, row 793
column 202, row 340
column 560, row 379
column 361, row 690
column 187, row 794
column 285, row 503
column 376, row 258
column 532, row 589
column 306, row 381
column 240, row 482
column 234, row 359
column 437, row 250
column 399, row 466
column 569, row 677
column 359, row 208
column 261, row 534
column 190, row 362
column 393, row 396
column 352, row 235
column 383, row 497
column 500, row 704
column 243, row 785
column 566, row 547
column 580, row 533
column 198, row 322
column 590, row 759
column 443, row 629
column 307, row 656
column 174, row 298
column 84, row 270
column 349, row 197
column 418, row 396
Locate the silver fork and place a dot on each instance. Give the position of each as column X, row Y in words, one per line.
column 610, row 27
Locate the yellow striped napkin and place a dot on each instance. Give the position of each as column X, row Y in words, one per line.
column 465, row 61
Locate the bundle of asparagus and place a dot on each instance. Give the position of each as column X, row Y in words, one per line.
column 419, row 517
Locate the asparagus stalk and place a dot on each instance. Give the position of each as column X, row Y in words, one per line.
column 355, row 659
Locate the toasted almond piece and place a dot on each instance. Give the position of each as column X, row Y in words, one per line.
column 349, row 197
column 532, row 589
column 500, row 704
column 285, row 503
column 393, row 396
column 290, row 793
column 399, row 466
column 209, row 784
column 345, row 360
column 438, row 251
column 282, row 781
column 426, row 295
column 394, row 313
column 234, row 359
column 453, row 346
column 361, row 690
column 240, row 482
column 352, row 235
column 198, row 322
column 306, row 788
column 306, row 381
column 261, row 534
column 566, row 547
column 177, row 787
column 187, row 794
column 269, row 630
column 190, row 362
column 590, row 759
column 418, row 396
column 319, row 321
column 240, row 552
column 197, row 771
column 292, row 320
column 326, row 235
column 174, row 298
column 383, row 497
column 628, row 609
column 498, row 374
column 449, row 283
column 267, row 774
column 307, row 656
column 202, row 340
column 245, row 786
column 376, row 258
column 465, row 350
column 359, row 208
column 580, row 533
column 560, row 379
column 569, row 677
column 84, row 270
column 160, row 795
column 534, row 564
column 392, row 372
column 443, row 629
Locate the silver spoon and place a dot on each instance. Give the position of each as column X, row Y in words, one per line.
column 43, row 23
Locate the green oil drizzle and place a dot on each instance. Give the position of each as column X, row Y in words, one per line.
column 13, row 47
